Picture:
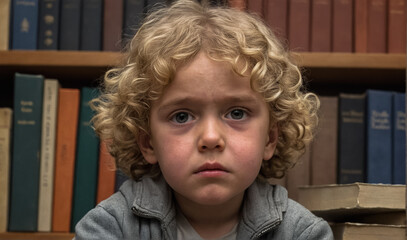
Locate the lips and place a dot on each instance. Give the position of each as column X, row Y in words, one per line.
column 211, row 167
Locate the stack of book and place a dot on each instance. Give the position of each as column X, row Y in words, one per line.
column 359, row 211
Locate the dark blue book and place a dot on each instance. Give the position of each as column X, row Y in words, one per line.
column 120, row 179
column 24, row 24
column 379, row 136
column 25, row 165
column 48, row 25
column 91, row 27
column 132, row 17
column 87, row 159
column 70, row 25
column 351, row 138
column 399, row 138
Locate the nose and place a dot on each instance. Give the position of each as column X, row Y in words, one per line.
column 211, row 135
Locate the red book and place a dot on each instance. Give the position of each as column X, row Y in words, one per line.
column 106, row 175
column 360, row 31
column 342, row 35
column 238, row 4
column 256, row 6
column 321, row 25
column 68, row 111
column 112, row 25
column 275, row 15
column 377, row 26
column 299, row 25
column 397, row 26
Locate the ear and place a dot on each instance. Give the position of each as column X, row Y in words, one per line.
column 145, row 144
column 271, row 143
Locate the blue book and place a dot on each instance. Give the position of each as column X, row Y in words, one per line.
column 24, row 24
column 87, row 159
column 70, row 22
column 48, row 25
column 91, row 27
column 399, row 138
column 25, row 165
column 379, row 136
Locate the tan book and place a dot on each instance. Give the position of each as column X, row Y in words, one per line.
column 5, row 127
column 4, row 24
column 48, row 138
column 299, row 175
column 350, row 231
column 333, row 202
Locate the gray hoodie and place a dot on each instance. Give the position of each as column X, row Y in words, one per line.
column 146, row 210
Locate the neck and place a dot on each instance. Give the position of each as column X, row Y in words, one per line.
column 211, row 221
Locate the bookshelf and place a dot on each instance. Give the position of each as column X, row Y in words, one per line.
column 36, row 236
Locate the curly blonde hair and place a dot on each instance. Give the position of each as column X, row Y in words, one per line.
column 170, row 37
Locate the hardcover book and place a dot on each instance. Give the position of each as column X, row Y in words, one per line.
column 25, row 24
column 321, row 21
column 342, row 30
column 299, row 175
column 133, row 14
column 106, row 174
column 70, row 25
column 5, row 8
column 377, row 26
column 396, row 23
column 276, row 16
column 299, row 25
column 6, row 118
column 112, row 25
column 360, row 26
column 256, row 7
column 399, row 139
column 48, row 25
column 25, row 166
column 238, row 4
column 360, row 231
column 91, row 27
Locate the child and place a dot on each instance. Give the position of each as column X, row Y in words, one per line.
column 206, row 108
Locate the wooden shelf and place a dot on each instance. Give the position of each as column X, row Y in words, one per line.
column 36, row 236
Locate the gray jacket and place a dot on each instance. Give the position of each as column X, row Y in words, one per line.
column 146, row 210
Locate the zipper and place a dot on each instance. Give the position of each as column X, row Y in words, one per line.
column 268, row 228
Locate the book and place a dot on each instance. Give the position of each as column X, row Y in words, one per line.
column 399, row 139
column 238, row 4
column 48, row 22
column 378, row 136
column 321, row 20
column 349, row 231
column 6, row 118
column 25, row 166
column 388, row 218
column 324, row 146
column 153, row 4
column 299, row 21
column 337, row 202
column 70, row 25
column 377, row 26
column 133, row 14
column 276, row 16
column 360, row 26
column 48, row 138
column 299, row 175
column 119, row 179
column 91, row 26
column 396, row 25
column 68, row 113
column 112, row 25
column 106, row 174
column 256, row 7
column 24, row 24
column 351, row 138
column 87, row 156
column 5, row 8
column 342, row 26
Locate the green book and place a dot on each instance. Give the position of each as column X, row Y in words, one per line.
column 87, row 156
column 25, row 166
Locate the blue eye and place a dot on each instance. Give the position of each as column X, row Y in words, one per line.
column 236, row 114
column 181, row 117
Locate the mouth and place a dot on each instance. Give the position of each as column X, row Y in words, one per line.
column 211, row 168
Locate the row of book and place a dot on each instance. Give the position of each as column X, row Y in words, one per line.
column 362, row 26
column 360, row 138
column 53, row 169
column 359, row 211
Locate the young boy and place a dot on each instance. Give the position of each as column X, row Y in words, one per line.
column 206, row 108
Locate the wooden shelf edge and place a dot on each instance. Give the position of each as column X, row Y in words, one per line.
column 35, row 236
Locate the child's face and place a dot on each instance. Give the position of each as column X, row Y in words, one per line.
column 209, row 133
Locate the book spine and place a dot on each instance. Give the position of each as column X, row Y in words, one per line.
column 5, row 139
column 70, row 22
column 49, row 121
column 377, row 26
column 48, row 25
column 299, row 175
column 151, row 4
column 397, row 26
column 28, row 94
column 106, row 175
column 87, row 156
column 324, row 146
column 256, row 7
column 360, row 26
column 133, row 14
column 351, row 138
column 321, row 25
column 119, row 179
column 399, row 138
column 91, row 27
column 112, row 25
column 238, row 4
column 299, row 25
column 25, row 24
column 342, row 30
column 276, row 16
column 5, row 8
column 378, row 137
column 68, row 112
